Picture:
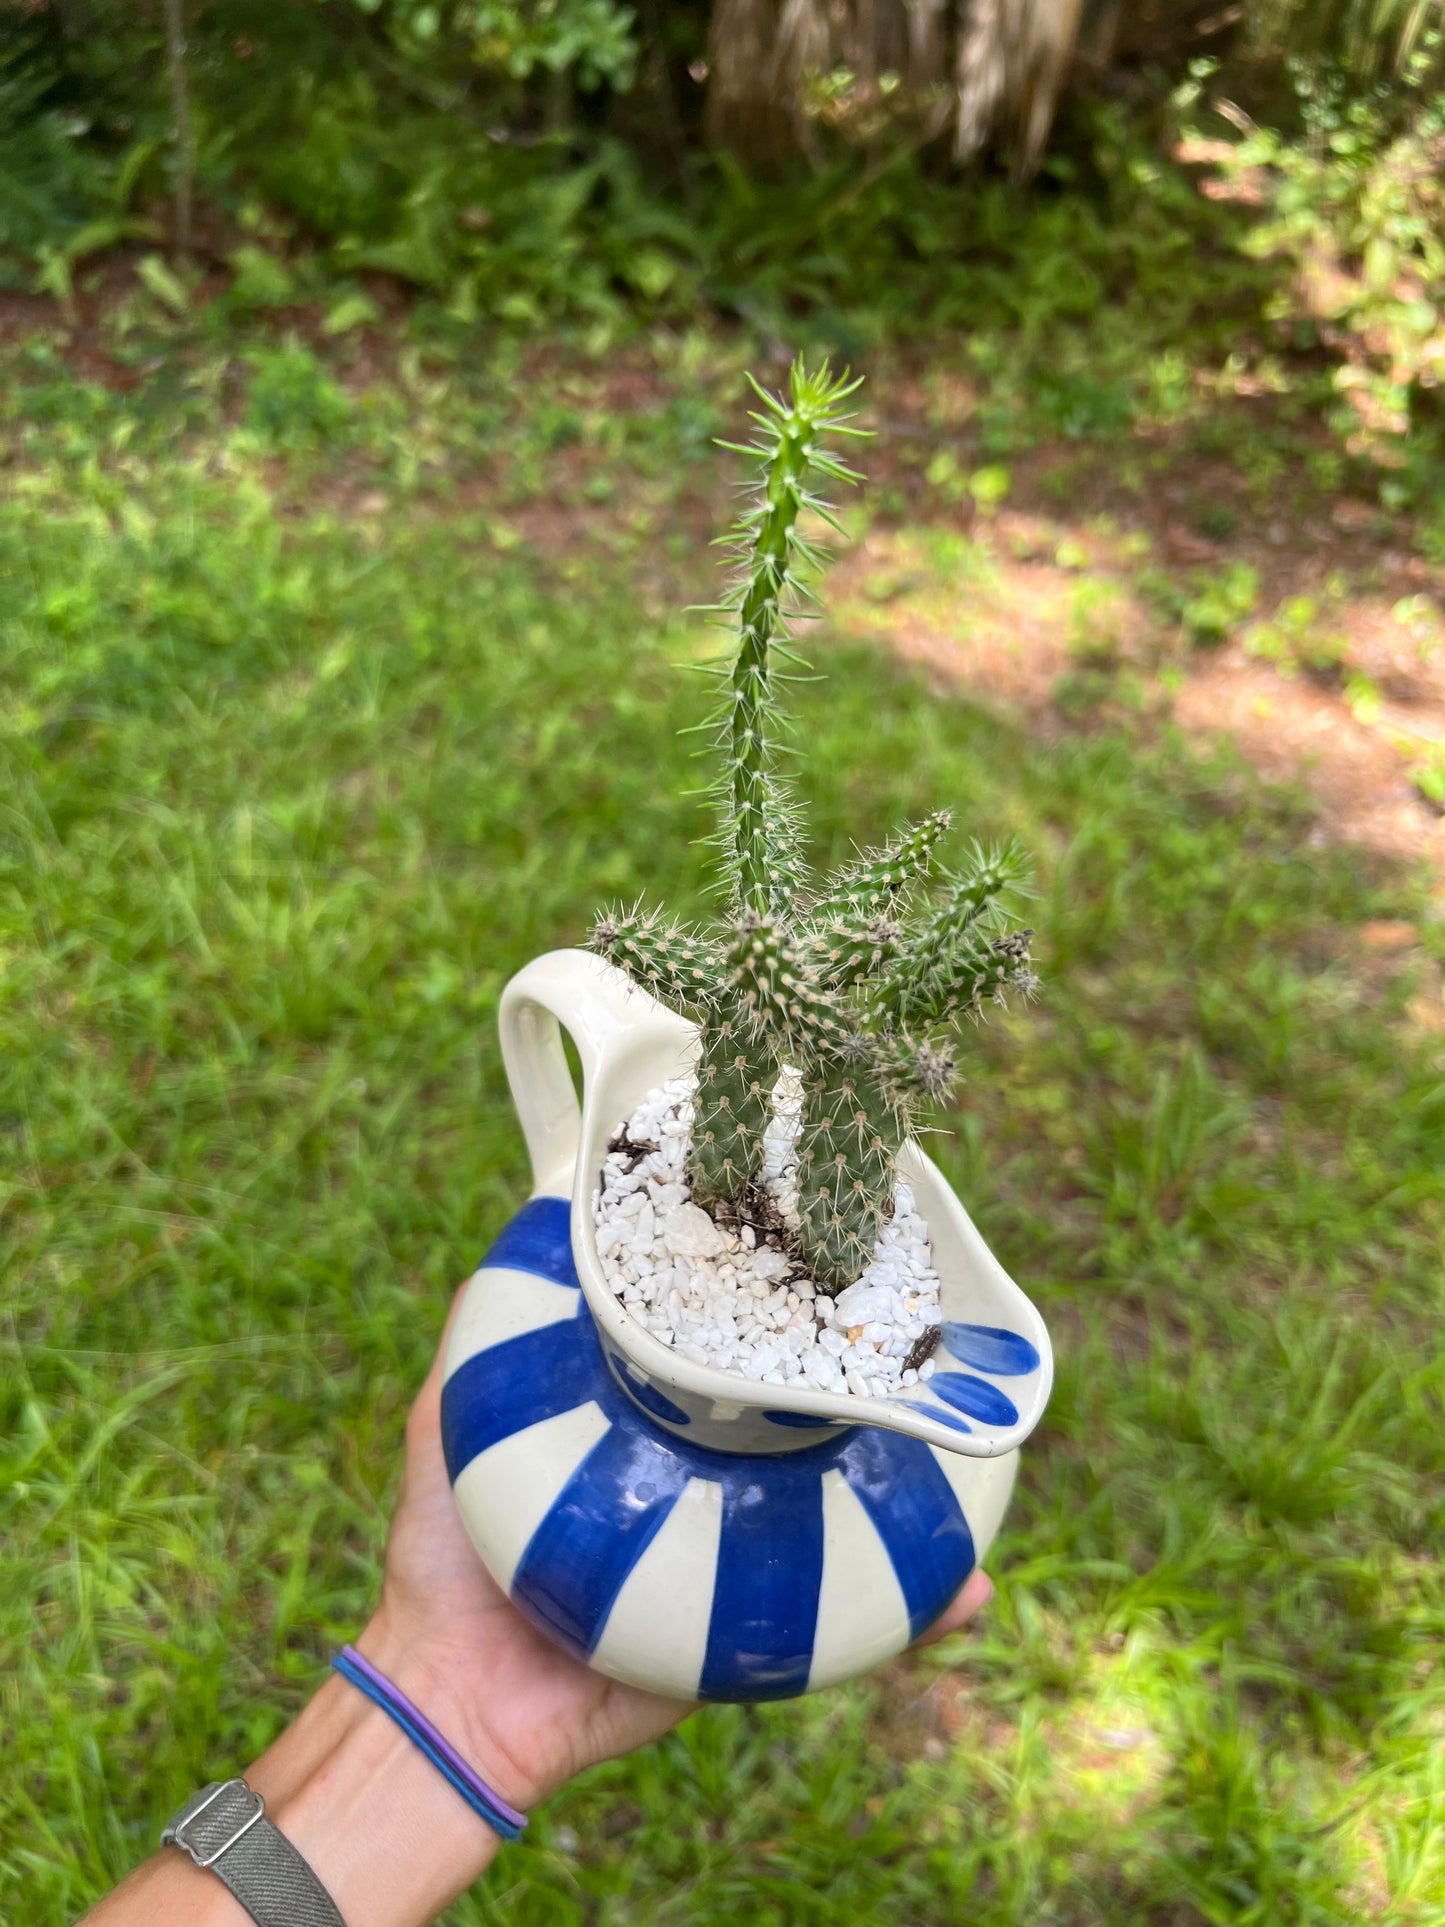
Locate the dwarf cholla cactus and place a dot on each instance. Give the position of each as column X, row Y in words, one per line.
column 847, row 982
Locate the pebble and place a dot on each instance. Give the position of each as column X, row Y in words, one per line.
column 728, row 1300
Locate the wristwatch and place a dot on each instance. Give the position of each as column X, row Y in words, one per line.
column 224, row 1828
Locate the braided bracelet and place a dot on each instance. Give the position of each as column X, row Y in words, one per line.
column 501, row 1817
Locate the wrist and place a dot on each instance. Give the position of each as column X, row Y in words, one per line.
column 439, row 1682
column 385, row 1834
column 390, row 1840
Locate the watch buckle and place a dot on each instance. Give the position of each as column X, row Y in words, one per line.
column 176, row 1836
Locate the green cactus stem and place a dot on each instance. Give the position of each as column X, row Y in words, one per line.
column 781, row 996
column 845, row 1167
column 877, row 879
column 732, row 1104
column 775, row 560
column 675, row 965
column 981, row 973
column 926, row 966
column 852, row 948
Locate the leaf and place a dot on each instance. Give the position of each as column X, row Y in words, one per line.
column 351, row 311
column 133, row 164
column 1381, row 263
column 651, row 272
column 163, row 283
column 262, row 280
column 989, row 486
column 93, row 237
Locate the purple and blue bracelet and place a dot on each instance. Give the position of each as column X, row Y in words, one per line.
column 482, row 1799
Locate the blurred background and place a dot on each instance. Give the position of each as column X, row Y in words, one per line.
column 362, row 362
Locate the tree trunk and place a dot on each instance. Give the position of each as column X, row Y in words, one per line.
column 180, row 129
column 995, row 68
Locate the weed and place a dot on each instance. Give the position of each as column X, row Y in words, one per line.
column 1208, row 605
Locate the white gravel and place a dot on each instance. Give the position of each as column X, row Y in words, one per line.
column 738, row 1301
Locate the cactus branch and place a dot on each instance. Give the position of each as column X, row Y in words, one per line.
column 981, row 973
column 779, row 995
column 775, row 560
column 950, row 942
column 879, row 877
column 731, row 1108
column 845, row 1170
column 851, row 948
column 677, row 966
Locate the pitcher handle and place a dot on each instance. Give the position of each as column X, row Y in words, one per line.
column 597, row 1006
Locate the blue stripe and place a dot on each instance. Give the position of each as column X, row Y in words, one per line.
column 917, row 1516
column 538, row 1239
column 648, row 1396
column 769, row 1577
column 991, row 1349
column 939, row 1418
column 513, row 1385
column 975, row 1396
column 597, row 1529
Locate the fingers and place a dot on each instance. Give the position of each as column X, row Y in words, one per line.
column 423, row 1419
column 975, row 1595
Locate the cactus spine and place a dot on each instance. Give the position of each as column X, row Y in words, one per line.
column 845, row 984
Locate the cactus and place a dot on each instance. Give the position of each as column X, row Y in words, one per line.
column 847, row 983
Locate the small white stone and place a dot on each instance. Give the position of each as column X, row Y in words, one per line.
column 768, row 1263
column 690, row 1233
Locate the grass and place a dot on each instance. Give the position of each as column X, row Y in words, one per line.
column 317, row 722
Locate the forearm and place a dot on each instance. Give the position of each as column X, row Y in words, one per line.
column 388, row 1837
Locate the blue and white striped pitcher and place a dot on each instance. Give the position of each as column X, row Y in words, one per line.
column 680, row 1527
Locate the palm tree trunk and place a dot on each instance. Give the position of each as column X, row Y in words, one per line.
column 1003, row 65
column 180, row 129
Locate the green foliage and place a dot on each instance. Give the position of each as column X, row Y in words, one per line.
column 1367, row 40
column 592, row 40
column 293, row 399
column 401, row 141
column 1301, row 636
column 66, row 191
column 826, row 983
column 1354, row 207
column 1208, row 605
column 290, row 788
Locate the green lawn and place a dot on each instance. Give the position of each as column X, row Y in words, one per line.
column 313, row 728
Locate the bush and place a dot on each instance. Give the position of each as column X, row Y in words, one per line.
column 1354, row 206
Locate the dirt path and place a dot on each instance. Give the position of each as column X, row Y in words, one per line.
column 1025, row 609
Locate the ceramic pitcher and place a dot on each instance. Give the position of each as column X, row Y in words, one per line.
column 680, row 1527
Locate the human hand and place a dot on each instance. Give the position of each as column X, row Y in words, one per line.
column 527, row 1714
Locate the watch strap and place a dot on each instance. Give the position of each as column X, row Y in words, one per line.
column 224, row 1828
